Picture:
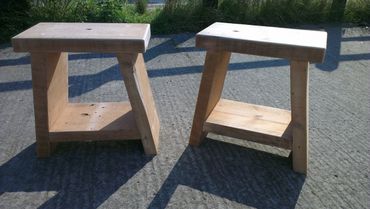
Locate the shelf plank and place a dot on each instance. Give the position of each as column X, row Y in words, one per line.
column 265, row 125
column 95, row 121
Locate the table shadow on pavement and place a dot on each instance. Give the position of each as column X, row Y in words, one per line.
column 254, row 178
column 83, row 175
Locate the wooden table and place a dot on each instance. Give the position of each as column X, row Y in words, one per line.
column 56, row 119
column 266, row 125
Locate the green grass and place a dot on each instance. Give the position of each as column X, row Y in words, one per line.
column 180, row 15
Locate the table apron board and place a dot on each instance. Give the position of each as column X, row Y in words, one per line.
column 82, row 45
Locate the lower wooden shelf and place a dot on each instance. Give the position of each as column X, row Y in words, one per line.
column 265, row 125
column 95, row 121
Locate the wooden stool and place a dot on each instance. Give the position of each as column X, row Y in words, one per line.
column 58, row 120
column 266, row 125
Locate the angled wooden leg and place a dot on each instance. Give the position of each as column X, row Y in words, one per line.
column 141, row 99
column 299, row 106
column 210, row 90
column 50, row 94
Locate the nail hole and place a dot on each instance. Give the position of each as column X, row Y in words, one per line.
column 88, row 29
column 235, row 31
column 85, row 114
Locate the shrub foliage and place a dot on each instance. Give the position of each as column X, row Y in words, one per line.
column 181, row 15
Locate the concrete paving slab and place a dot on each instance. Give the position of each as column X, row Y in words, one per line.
column 223, row 172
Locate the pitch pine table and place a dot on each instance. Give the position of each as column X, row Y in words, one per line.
column 266, row 125
column 56, row 119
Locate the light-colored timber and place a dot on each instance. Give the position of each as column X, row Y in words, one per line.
column 95, row 121
column 299, row 104
column 140, row 94
column 50, row 94
column 57, row 120
column 83, row 37
column 286, row 43
column 266, row 125
column 211, row 85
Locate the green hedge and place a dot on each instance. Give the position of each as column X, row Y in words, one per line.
column 181, row 15
column 14, row 17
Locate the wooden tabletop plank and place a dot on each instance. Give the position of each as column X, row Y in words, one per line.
column 293, row 44
column 80, row 37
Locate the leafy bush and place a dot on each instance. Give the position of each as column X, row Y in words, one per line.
column 77, row 10
column 130, row 15
column 358, row 11
column 141, row 6
column 109, row 11
column 192, row 15
column 53, row 10
column 180, row 15
column 14, row 17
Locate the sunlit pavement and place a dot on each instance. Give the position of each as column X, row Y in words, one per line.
column 236, row 174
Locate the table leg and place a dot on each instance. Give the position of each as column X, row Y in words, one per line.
column 141, row 98
column 213, row 77
column 299, row 106
column 50, row 94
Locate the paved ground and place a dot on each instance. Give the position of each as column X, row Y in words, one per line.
column 236, row 174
